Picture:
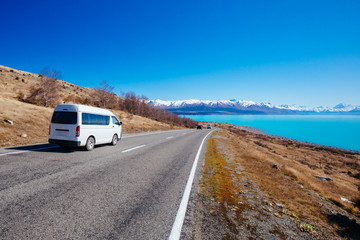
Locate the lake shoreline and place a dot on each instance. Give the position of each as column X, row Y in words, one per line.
column 340, row 132
column 261, row 132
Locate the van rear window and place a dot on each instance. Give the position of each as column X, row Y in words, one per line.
column 64, row 117
column 95, row 119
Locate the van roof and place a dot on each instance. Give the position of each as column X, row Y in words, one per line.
column 82, row 108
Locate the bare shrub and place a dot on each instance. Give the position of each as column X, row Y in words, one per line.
column 140, row 106
column 103, row 96
column 20, row 96
column 85, row 101
column 49, row 85
column 69, row 99
column 35, row 96
column 47, row 94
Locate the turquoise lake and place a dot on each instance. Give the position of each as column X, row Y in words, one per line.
column 341, row 131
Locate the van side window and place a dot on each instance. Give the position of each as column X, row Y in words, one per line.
column 64, row 117
column 115, row 121
column 95, row 119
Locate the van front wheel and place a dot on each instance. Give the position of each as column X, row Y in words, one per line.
column 90, row 143
column 114, row 140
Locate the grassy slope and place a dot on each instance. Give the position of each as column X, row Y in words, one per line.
column 306, row 199
column 34, row 120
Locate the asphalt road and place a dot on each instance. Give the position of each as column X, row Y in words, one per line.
column 128, row 191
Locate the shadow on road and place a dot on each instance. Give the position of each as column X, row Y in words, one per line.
column 52, row 148
column 49, row 148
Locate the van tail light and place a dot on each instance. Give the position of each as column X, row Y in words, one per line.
column 49, row 129
column 78, row 131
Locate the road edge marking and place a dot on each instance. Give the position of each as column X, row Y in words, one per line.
column 180, row 216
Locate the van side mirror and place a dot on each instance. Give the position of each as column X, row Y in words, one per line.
column 120, row 123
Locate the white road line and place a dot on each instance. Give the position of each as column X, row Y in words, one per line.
column 124, row 136
column 148, row 133
column 30, row 150
column 179, row 220
column 130, row 149
column 140, row 134
column 170, row 137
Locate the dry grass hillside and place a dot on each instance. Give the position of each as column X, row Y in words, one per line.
column 34, row 120
column 262, row 187
column 13, row 82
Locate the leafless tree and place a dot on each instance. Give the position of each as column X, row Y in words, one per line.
column 48, row 93
column 130, row 102
column 103, row 95
column 141, row 106
column 49, row 85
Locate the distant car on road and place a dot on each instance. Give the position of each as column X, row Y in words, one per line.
column 208, row 126
column 199, row 127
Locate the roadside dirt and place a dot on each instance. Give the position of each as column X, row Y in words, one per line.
column 242, row 195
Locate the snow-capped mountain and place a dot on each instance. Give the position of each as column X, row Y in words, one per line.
column 234, row 106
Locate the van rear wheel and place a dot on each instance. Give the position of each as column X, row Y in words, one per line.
column 114, row 140
column 90, row 143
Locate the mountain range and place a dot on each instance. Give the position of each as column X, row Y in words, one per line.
column 234, row 106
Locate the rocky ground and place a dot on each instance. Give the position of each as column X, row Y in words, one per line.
column 235, row 203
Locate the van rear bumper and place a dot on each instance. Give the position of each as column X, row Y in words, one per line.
column 65, row 142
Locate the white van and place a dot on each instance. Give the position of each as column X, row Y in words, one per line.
column 80, row 125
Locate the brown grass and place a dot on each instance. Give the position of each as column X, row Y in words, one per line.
column 34, row 120
column 293, row 184
column 217, row 185
column 30, row 119
column 16, row 82
column 217, row 175
column 298, row 163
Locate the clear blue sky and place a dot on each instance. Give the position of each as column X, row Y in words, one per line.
column 283, row 52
